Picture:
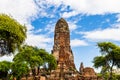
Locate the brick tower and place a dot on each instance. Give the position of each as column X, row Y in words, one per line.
column 62, row 52
column 65, row 60
column 61, row 48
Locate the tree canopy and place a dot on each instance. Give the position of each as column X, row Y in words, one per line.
column 29, row 55
column 47, row 58
column 99, row 61
column 12, row 34
column 110, row 57
column 4, row 68
column 19, row 69
column 34, row 58
column 111, row 52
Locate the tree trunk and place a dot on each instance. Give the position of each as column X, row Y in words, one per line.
column 26, row 77
column 111, row 74
column 18, row 78
column 33, row 73
column 38, row 71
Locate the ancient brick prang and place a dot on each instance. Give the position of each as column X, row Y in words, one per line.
column 65, row 60
column 62, row 38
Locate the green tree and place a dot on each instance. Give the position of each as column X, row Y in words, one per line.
column 12, row 34
column 28, row 55
column 19, row 69
column 52, row 64
column 106, row 75
column 35, row 57
column 48, row 59
column 100, row 61
column 110, row 57
column 4, row 69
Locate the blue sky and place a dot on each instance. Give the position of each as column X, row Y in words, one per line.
column 90, row 21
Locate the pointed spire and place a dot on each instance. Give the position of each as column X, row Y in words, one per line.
column 62, row 26
column 81, row 68
column 62, row 20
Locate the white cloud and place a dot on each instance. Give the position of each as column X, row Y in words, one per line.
column 50, row 27
column 105, row 34
column 72, row 26
column 38, row 31
column 118, row 18
column 77, row 42
column 90, row 7
column 40, row 41
column 22, row 10
column 25, row 11
column 94, row 6
column 6, row 58
column 69, row 14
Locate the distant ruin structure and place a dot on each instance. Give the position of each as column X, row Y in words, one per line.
column 87, row 73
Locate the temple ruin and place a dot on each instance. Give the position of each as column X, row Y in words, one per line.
column 65, row 59
column 62, row 51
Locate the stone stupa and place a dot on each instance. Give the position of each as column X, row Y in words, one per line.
column 63, row 53
column 65, row 60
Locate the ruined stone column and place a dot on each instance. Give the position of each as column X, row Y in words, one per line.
column 62, row 38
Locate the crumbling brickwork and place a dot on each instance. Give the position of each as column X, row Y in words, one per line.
column 62, row 38
column 65, row 60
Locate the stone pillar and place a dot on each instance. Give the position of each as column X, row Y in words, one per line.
column 62, row 38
